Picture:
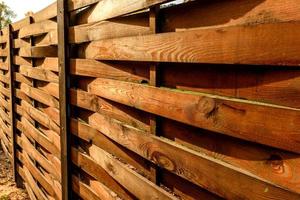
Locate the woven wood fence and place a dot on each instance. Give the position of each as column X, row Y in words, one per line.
column 139, row 99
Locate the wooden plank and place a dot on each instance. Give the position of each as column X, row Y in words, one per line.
column 83, row 190
column 38, row 51
column 30, row 131
column 46, row 40
column 87, row 165
column 37, row 28
column 48, row 186
column 274, row 165
column 228, row 13
column 103, row 191
column 34, row 186
column 198, row 168
column 108, row 29
column 39, row 116
column 38, row 73
column 109, row 9
column 47, row 13
column 121, row 173
column 76, row 4
column 133, row 72
column 274, row 85
column 39, row 95
column 93, row 136
column 21, row 23
column 48, row 63
column 209, row 112
column 51, row 88
column 35, row 154
column 121, row 113
column 228, row 45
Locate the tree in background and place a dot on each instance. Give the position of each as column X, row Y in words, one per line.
column 6, row 15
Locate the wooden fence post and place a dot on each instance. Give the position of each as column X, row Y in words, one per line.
column 12, row 107
column 154, row 76
column 64, row 85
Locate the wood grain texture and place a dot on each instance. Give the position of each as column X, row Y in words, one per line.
column 229, row 45
column 198, row 168
column 112, row 8
column 208, row 112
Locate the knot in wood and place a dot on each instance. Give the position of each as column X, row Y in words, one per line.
column 206, row 106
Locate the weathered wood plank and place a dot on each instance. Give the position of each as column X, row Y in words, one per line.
column 228, row 13
column 37, row 28
column 196, row 167
column 38, row 73
column 110, row 8
column 32, row 152
column 91, row 135
column 274, row 165
column 38, row 51
column 39, row 95
column 108, row 29
column 275, row 85
column 122, row 173
column 228, row 45
column 209, row 112
column 83, row 190
column 119, row 112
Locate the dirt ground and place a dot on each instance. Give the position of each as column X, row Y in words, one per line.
column 8, row 190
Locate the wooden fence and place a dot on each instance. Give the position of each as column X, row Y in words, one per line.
column 139, row 99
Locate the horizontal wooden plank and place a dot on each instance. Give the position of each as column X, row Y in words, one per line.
column 278, row 128
column 83, row 190
column 275, row 165
column 38, row 73
column 39, row 116
column 76, row 4
column 196, row 167
column 18, row 60
column 36, row 155
column 274, row 85
column 102, row 190
column 37, row 28
column 228, row 13
column 38, row 52
column 132, row 72
column 21, row 23
column 50, row 88
column 108, row 29
column 47, row 13
column 45, row 40
column 228, row 45
column 119, row 112
column 48, row 63
column 93, row 136
column 30, row 131
column 122, row 173
column 37, row 174
column 18, row 43
column 39, row 95
column 109, row 9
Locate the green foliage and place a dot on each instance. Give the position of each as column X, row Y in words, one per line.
column 6, row 15
column 4, row 197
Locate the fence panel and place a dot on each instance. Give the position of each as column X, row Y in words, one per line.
column 196, row 100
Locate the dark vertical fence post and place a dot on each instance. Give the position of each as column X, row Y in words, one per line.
column 12, row 104
column 153, row 25
column 64, row 85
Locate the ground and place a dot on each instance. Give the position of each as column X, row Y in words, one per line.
column 8, row 189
